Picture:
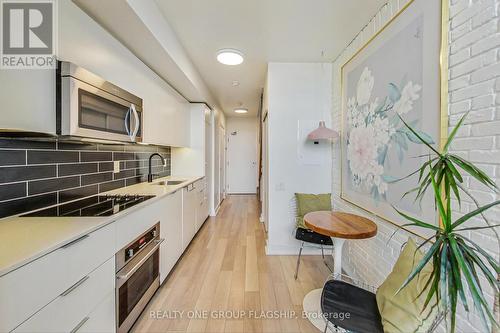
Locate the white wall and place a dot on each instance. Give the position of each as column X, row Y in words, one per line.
column 242, row 154
column 84, row 42
column 298, row 93
column 474, row 86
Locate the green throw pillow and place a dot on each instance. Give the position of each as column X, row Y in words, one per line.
column 403, row 312
column 307, row 203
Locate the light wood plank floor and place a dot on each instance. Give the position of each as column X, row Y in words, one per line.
column 225, row 268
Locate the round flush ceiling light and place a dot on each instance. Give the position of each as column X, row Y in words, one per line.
column 241, row 110
column 229, row 57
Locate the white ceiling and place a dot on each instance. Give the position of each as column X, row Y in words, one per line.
column 265, row 31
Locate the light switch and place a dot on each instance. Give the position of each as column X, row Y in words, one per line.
column 116, row 166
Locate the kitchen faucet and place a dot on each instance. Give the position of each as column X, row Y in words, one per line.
column 150, row 174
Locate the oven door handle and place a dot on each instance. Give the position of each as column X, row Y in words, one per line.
column 127, row 272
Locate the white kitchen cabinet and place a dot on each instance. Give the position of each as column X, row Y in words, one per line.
column 70, row 310
column 31, row 287
column 202, row 208
column 171, row 230
column 189, row 205
column 102, row 318
column 136, row 223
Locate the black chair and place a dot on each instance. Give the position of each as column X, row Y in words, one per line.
column 309, row 238
column 348, row 307
column 344, row 295
column 313, row 238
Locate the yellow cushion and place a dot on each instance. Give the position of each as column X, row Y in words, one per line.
column 403, row 312
column 307, row 203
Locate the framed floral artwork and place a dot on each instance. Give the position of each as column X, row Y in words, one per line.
column 396, row 74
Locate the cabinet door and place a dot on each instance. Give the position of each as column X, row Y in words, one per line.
column 71, row 309
column 202, row 207
column 171, row 231
column 102, row 318
column 188, row 215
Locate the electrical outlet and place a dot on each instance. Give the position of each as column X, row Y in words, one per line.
column 116, row 166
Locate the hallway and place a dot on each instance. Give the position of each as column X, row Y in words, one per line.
column 225, row 269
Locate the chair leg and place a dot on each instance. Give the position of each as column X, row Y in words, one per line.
column 298, row 261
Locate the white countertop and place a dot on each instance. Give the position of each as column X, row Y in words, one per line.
column 24, row 239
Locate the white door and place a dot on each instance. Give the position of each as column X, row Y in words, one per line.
column 242, row 155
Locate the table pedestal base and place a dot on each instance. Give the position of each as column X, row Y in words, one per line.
column 338, row 245
column 312, row 309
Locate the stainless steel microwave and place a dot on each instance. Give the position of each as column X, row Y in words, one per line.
column 90, row 107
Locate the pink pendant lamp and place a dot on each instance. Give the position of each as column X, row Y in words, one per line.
column 322, row 133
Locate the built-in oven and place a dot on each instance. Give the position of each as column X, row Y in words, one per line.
column 90, row 107
column 137, row 277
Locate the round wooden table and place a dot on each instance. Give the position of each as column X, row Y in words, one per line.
column 339, row 226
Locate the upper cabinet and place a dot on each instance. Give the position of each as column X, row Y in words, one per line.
column 193, row 161
column 28, row 96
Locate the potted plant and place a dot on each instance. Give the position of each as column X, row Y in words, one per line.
column 457, row 261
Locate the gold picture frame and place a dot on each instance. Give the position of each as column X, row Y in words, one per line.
column 443, row 95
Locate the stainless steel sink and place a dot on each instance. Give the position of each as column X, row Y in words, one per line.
column 170, row 182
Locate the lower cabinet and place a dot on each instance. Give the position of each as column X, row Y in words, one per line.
column 189, row 205
column 77, row 306
column 202, row 209
column 102, row 319
column 171, row 230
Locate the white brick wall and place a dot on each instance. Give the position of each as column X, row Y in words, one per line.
column 474, row 73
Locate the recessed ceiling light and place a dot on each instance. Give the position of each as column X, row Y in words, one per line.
column 240, row 110
column 229, row 57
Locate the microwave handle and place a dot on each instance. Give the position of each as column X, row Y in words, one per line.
column 137, row 122
column 127, row 121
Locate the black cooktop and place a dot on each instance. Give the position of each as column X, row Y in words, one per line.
column 98, row 205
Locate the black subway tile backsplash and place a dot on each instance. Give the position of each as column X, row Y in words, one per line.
column 120, row 156
column 88, row 156
column 12, row 191
column 68, row 171
column 76, row 169
column 105, row 166
column 52, row 185
column 135, row 180
column 97, row 178
column 14, row 207
column 76, row 146
column 23, row 144
column 104, row 187
column 124, row 174
column 12, row 157
column 77, row 193
column 52, row 156
column 20, row 173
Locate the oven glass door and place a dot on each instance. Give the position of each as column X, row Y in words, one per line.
column 131, row 292
column 101, row 114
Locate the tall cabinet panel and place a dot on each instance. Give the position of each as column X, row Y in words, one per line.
column 171, row 230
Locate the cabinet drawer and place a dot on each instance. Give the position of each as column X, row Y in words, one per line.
column 31, row 287
column 136, row 223
column 102, row 318
column 69, row 310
